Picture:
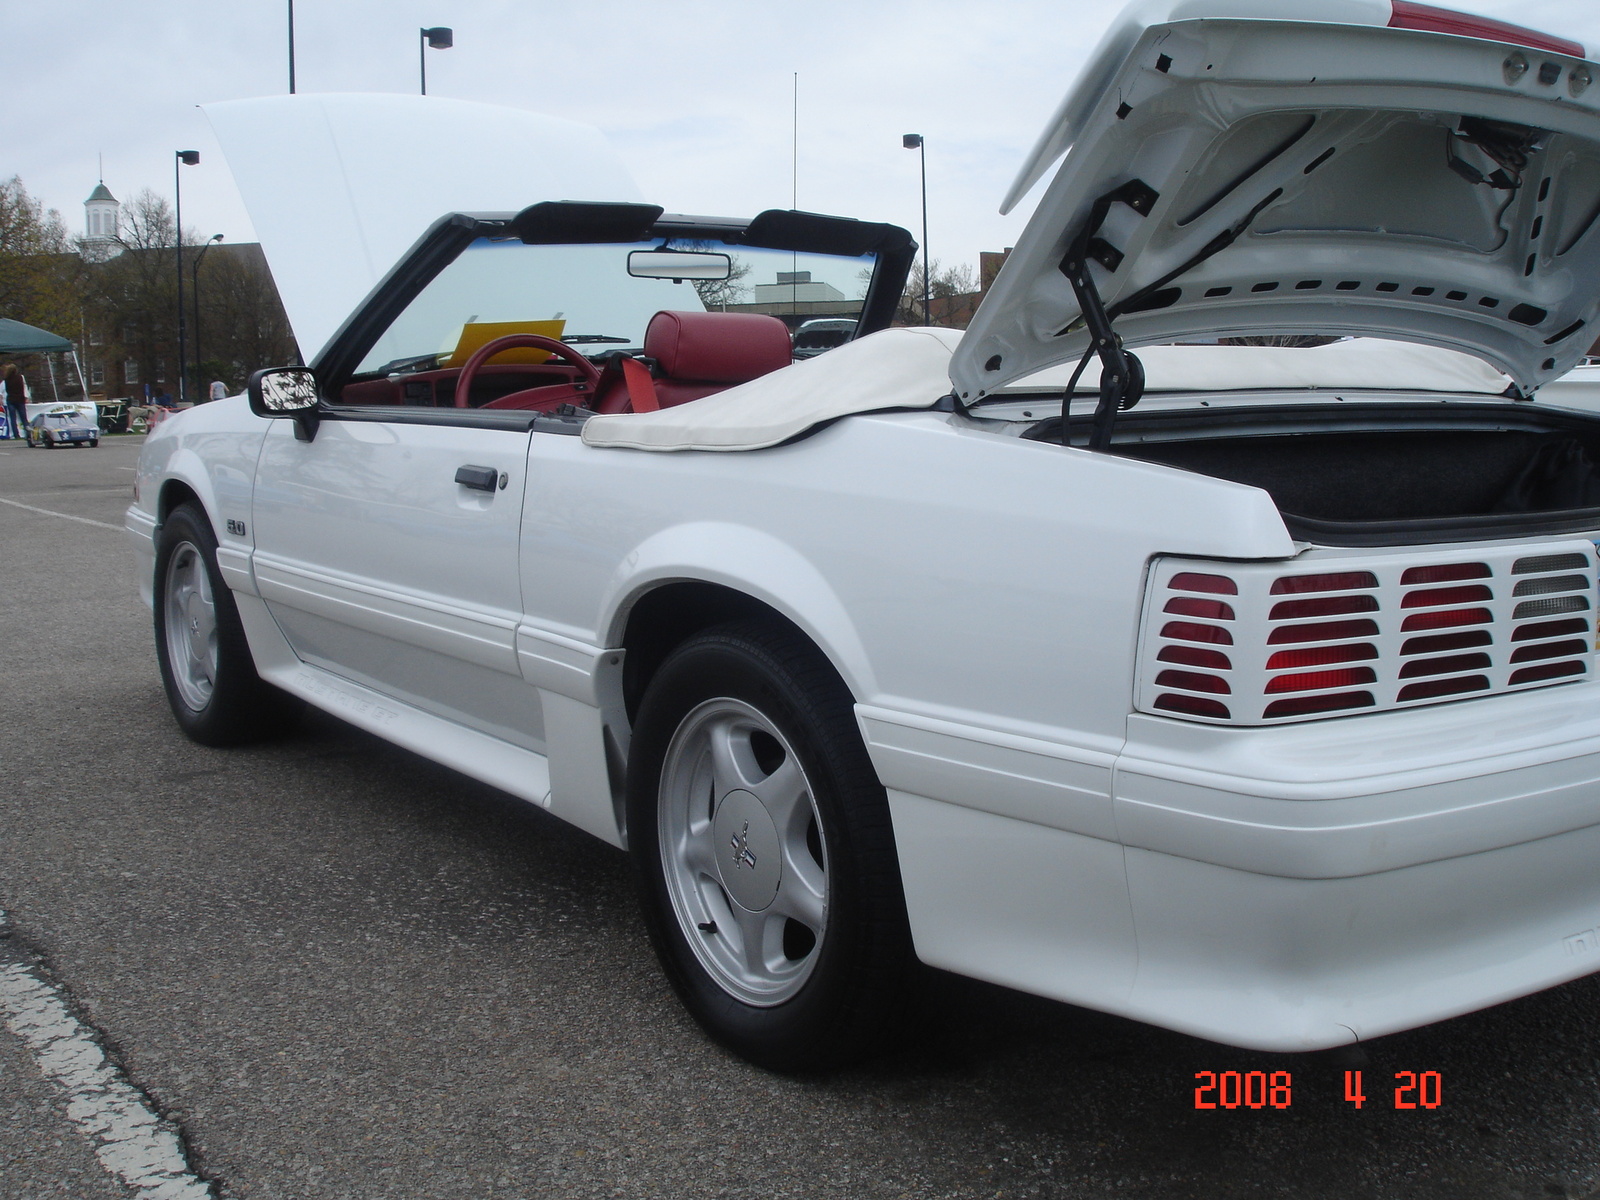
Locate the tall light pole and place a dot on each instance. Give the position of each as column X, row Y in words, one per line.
column 291, row 47
column 440, row 37
column 194, row 281
column 913, row 141
column 181, row 159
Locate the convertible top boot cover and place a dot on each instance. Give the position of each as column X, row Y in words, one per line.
column 895, row 368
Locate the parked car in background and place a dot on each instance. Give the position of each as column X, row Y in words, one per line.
column 821, row 335
column 1246, row 691
column 62, row 426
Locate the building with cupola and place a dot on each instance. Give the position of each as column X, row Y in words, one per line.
column 101, row 223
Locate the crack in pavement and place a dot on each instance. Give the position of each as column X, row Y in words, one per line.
column 134, row 1141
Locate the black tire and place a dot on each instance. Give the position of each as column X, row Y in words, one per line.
column 831, row 979
column 210, row 678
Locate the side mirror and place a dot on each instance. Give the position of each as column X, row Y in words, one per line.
column 678, row 265
column 287, row 392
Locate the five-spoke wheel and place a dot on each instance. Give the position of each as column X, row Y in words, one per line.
column 742, row 848
column 765, row 853
column 210, row 679
column 190, row 621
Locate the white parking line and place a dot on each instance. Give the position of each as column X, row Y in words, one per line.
column 50, row 512
column 131, row 1141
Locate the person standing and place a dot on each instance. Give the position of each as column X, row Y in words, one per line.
column 219, row 390
column 16, row 391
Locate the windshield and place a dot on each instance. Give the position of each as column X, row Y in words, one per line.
column 583, row 295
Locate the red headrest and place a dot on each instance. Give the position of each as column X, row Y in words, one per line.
column 717, row 347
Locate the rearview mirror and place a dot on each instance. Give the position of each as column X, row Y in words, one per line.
column 286, row 392
column 679, row 265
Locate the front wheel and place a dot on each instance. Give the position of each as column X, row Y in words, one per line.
column 764, row 849
column 206, row 668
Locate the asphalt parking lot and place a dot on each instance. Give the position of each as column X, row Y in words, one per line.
column 338, row 970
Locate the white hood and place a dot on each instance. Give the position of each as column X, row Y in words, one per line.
column 340, row 186
column 1326, row 175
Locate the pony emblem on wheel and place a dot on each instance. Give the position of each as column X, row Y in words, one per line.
column 742, row 854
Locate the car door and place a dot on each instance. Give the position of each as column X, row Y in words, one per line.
column 386, row 549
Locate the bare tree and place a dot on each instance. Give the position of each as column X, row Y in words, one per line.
column 130, row 300
column 718, row 294
column 242, row 320
column 953, row 292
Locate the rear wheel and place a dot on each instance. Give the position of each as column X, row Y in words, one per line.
column 765, row 853
column 206, row 668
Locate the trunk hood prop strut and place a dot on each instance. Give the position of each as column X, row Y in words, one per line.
column 1121, row 372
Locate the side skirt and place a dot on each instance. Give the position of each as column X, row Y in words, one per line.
column 523, row 773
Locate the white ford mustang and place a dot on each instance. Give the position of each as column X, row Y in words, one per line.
column 1252, row 696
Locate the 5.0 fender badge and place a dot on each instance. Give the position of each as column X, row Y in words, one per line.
column 236, row 528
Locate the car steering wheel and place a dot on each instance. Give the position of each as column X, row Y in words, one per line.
column 469, row 370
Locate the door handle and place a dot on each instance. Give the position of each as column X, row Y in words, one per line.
column 484, row 479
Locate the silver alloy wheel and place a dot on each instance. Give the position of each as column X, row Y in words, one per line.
column 191, row 625
column 742, row 851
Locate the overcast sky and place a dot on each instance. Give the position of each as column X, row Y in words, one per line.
column 695, row 95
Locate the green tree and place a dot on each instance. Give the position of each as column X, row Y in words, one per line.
column 37, row 280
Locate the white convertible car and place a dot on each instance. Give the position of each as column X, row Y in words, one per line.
column 1252, row 695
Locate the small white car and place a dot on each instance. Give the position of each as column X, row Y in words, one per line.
column 1251, row 695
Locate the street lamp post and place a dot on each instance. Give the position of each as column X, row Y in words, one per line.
column 291, row 47
column 913, row 141
column 181, row 159
column 194, row 286
column 440, row 37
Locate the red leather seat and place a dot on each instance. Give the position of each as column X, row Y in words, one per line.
column 699, row 353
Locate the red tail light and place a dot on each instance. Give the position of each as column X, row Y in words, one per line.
column 1188, row 631
column 1316, row 656
column 1195, row 656
column 1433, row 689
column 1342, row 581
column 1321, row 606
column 1317, row 681
column 1194, row 681
column 1190, row 581
column 1406, row 15
column 1444, row 573
column 1433, row 597
column 1305, row 706
column 1194, row 706
column 1369, row 631
column 1547, row 671
column 1193, row 606
column 1445, row 618
column 1324, row 631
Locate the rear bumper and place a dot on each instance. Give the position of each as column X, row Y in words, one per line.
column 1288, row 888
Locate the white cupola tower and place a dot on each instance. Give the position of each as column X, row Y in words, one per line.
column 100, row 215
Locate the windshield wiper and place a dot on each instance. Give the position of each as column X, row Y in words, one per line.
column 590, row 339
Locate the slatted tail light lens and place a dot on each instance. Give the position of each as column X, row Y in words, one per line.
column 1564, row 585
column 1327, row 594
column 1258, row 645
column 1195, row 689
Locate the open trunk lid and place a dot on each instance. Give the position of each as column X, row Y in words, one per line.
column 1370, row 168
